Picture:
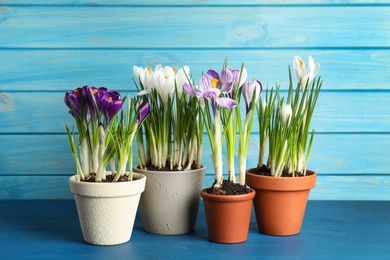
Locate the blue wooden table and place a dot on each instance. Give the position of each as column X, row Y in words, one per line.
column 49, row 229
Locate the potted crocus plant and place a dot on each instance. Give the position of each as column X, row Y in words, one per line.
column 227, row 203
column 283, row 182
column 169, row 151
column 106, row 201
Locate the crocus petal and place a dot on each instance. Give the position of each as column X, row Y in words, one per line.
column 137, row 71
column 169, row 71
column 72, row 101
column 187, row 88
column 226, row 102
column 227, row 81
column 144, row 110
column 313, row 68
column 226, row 76
column 244, row 76
column 165, row 87
column 144, row 92
column 299, row 67
column 211, row 93
column 286, row 114
column 181, row 77
column 240, row 76
column 205, row 82
column 213, row 74
column 227, row 88
column 111, row 104
column 263, row 104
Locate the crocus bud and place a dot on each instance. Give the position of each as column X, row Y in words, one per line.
column 286, row 114
column 72, row 101
column 248, row 90
column 263, row 104
column 144, row 110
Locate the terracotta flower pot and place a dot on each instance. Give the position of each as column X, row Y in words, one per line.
column 170, row 202
column 280, row 202
column 228, row 216
column 107, row 210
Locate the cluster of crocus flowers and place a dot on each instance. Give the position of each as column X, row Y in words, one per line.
column 285, row 123
column 222, row 115
column 172, row 134
column 95, row 111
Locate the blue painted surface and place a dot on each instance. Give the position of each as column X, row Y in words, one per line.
column 331, row 230
column 49, row 47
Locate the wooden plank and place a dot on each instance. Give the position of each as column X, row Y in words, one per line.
column 189, row 2
column 45, row 112
column 331, row 230
column 331, row 154
column 61, row 70
column 345, row 187
column 234, row 27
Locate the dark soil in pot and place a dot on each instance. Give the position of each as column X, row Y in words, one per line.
column 228, row 188
column 265, row 171
column 109, row 178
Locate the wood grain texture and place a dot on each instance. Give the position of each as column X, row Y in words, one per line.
column 61, row 70
column 328, row 187
column 331, row 230
column 49, row 47
column 197, row 27
column 335, row 112
column 189, row 2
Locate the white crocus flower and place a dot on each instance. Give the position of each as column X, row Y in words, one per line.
column 305, row 76
column 137, row 71
column 181, row 78
column 165, row 86
column 286, row 114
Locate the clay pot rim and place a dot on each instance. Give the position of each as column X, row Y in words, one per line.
column 281, row 183
column 228, row 198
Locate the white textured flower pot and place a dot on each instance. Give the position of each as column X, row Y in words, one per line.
column 170, row 203
column 107, row 210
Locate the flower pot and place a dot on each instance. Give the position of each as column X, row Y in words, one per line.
column 170, row 203
column 280, row 202
column 228, row 216
column 107, row 210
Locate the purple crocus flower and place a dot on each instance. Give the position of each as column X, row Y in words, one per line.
column 227, row 81
column 248, row 90
column 99, row 94
column 144, row 110
column 211, row 89
column 72, row 100
column 236, row 75
column 109, row 103
column 91, row 100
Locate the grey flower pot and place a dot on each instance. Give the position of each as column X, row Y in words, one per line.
column 169, row 205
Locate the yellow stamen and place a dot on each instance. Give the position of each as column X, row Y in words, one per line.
column 301, row 63
column 214, row 83
column 149, row 68
column 76, row 91
column 95, row 91
column 174, row 70
column 165, row 76
column 109, row 98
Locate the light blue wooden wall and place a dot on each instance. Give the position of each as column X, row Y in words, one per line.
column 48, row 47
